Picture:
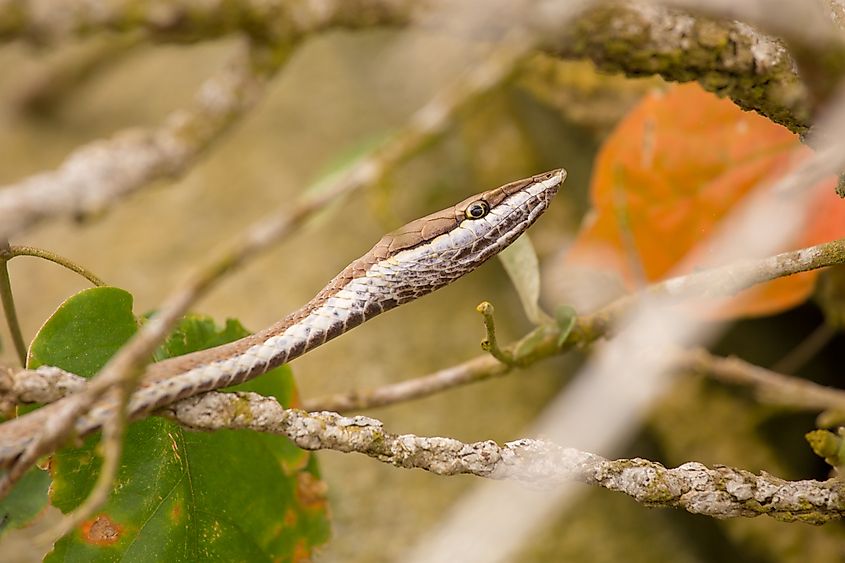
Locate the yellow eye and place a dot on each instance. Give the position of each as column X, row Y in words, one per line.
column 477, row 209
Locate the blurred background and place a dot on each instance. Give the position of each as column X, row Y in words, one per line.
column 340, row 94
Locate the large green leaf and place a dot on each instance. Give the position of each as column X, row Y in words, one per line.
column 67, row 340
column 57, row 339
column 182, row 495
column 25, row 501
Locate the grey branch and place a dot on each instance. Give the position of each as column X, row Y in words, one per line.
column 720, row 492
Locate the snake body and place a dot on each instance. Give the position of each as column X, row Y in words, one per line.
column 404, row 265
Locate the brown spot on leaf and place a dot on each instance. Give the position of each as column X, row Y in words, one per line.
column 176, row 512
column 289, row 519
column 102, row 530
column 301, row 551
column 295, row 462
column 310, row 491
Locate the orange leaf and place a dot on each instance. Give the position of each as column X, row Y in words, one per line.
column 671, row 172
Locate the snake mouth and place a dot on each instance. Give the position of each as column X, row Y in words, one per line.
column 537, row 203
column 550, row 182
column 519, row 227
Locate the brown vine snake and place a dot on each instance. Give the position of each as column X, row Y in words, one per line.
column 408, row 263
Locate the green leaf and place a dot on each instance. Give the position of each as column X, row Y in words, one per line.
column 26, row 500
column 180, row 495
column 565, row 317
column 76, row 320
column 520, row 262
column 100, row 317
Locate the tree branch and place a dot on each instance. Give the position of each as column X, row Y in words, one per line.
column 45, row 22
column 96, row 175
column 721, row 492
column 727, row 58
column 769, row 386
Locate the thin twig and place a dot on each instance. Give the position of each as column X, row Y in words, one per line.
column 475, row 370
column 796, row 358
column 490, row 343
column 60, row 260
column 769, row 386
column 8, row 300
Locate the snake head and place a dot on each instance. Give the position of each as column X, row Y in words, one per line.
column 437, row 249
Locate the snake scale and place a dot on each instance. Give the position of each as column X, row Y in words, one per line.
column 424, row 255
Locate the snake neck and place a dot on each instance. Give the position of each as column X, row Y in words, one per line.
column 342, row 305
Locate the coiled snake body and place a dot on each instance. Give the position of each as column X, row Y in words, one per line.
column 413, row 261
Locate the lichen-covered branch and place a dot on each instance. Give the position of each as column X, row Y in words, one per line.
column 48, row 22
column 46, row 384
column 727, row 58
column 721, row 492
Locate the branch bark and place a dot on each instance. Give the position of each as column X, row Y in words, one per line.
column 727, row 58
column 720, row 492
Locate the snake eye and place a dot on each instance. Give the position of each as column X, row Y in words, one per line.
column 477, row 209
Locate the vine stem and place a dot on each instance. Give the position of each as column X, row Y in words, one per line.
column 8, row 301
column 13, row 251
